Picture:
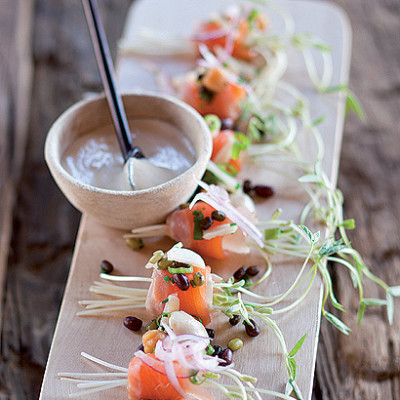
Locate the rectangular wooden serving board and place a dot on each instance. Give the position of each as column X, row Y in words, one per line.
column 105, row 337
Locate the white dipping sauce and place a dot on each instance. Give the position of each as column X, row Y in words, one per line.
column 96, row 159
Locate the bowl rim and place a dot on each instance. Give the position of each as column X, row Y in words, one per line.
column 54, row 132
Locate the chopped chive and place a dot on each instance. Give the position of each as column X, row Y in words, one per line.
column 197, row 231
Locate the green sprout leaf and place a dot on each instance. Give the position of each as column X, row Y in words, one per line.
column 374, row 302
column 314, row 237
column 394, row 291
column 338, row 323
column 297, row 346
column 348, row 224
column 292, row 367
column 276, row 214
column 353, row 104
column 389, row 307
column 361, row 311
column 318, row 121
column 329, row 248
column 272, row 233
column 241, row 143
column 309, row 178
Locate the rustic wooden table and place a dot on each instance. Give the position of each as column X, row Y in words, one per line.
column 46, row 64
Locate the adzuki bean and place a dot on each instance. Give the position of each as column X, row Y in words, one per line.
column 240, row 273
column 263, row 191
column 106, row 267
column 253, row 270
column 226, row 357
column 252, row 331
column 234, row 320
column 182, row 281
column 133, row 323
column 217, row 350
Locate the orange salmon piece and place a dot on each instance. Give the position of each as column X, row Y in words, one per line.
column 194, row 301
column 224, row 104
column 219, row 142
column 239, row 50
column 145, row 383
column 181, row 227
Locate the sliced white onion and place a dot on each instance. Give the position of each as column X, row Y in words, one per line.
column 183, row 323
column 185, row 256
column 220, row 230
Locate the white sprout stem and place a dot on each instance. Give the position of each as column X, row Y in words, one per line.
column 286, row 17
column 84, row 380
column 73, row 376
column 237, row 380
column 301, row 298
column 116, row 291
column 129, row 293
column 89, row 304
column 103, row 363
column 98, row 389
column 148, row 231
column 125, row 278
column 103, row 310
column 104, row 383
column 154, row 43
column 295, row 283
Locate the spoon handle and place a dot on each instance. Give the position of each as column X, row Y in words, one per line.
column 105, row 65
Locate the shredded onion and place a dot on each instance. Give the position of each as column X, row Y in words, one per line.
column 209, row 35
column 218, row 198
column 157, row 365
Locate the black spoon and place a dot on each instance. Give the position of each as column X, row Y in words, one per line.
column 130, row 153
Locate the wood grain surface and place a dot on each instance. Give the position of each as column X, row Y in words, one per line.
column 366, row 365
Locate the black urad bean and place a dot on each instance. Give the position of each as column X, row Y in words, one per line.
column 178, row 264
column 240, row 273
column 211, row 333
column 106, row 267
column 226, row 356
column 218, row 216
column 217, row 350
column 263, row 191
column 206, row 223
column 182, row 281
column 252, row 331
column 252, row 270
column 247, row 187
column 227, row 123
column 234, row 320
column 133, row 323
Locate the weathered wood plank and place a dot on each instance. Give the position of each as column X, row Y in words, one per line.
column 366, row 364
column 44, row 224
column 15, row 85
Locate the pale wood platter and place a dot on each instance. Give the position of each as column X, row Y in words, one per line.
column 105, row 337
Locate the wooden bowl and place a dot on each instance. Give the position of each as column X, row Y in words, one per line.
column 128, row 209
